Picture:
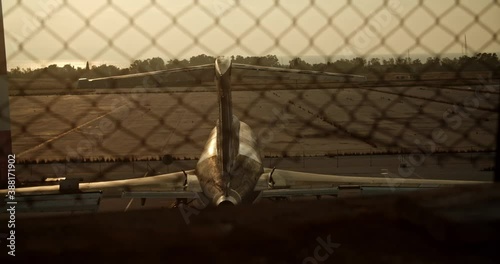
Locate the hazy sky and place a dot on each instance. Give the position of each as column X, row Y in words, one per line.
column 76, row 31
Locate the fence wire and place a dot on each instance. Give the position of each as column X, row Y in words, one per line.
column 431, row 73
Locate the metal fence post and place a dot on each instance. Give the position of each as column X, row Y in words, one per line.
column 5, row 134
column 337, row 158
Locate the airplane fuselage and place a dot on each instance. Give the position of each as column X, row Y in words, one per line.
column 243, row 169
column 230, row 164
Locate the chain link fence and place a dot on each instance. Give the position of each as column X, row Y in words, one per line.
column 431, row 73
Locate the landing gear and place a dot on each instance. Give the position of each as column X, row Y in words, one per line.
column 270, row 182
column 179, row 201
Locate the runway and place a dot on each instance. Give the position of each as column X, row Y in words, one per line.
column 292, row 122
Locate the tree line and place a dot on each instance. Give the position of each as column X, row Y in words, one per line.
column 358, row 65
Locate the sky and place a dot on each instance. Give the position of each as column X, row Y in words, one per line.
column 44, row 32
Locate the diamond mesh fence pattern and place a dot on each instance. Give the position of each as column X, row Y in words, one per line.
column 431, row 83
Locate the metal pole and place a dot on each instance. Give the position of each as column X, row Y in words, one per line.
column 5, row 134
column 497, row 156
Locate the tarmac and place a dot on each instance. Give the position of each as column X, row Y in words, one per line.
column 301, row 122
column 456, row 225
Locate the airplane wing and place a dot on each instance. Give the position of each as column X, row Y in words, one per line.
column 188, row 76
column 275, row 183
column 242, row 74
column 249, row 73
column 178, row 185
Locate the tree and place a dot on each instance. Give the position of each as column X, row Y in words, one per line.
column 375, row 62
column 16, row 72
column 359, row 62
column 417, row 62
column 105, row 70
column 341, row 66
column 147, row 65
column 69, row 72
column 52, row 70
column 68, row 68
column 138, row 66
column 433, row 64
column 239, row 59
column 486, row 61
column 298, row 63
column 270, row 60
column 388, row 62
column 401, row 61
column 449, row 64
column 175, row 63
column 201, row 59
column 156, row 64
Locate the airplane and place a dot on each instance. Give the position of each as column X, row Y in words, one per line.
column 230, row 170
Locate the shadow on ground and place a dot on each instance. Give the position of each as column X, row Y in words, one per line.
column 457, row 225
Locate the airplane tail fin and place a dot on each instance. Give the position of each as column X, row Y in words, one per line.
column 225, row 141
